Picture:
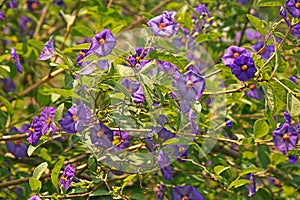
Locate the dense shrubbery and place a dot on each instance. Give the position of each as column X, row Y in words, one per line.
column 149, row 99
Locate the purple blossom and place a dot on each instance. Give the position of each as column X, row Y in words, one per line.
column 184, row 39
column 286, row 136
column 276, row 182
column 243, row 68
column 194, row 128
column 164, row 25
column 101, row 135
column 232, row 53
column 135, row 90
column 253, row 35
column 252, row 185
column 253, row 93
column 181, row 152
column 293, row 6
column 75, row 119
column 165, row 165
column 243, row 1
column 48, row 50
column 160, row 134
column 90, row 66
column 264, row 51
column 35, row 131
column 121, row 139
column 167, row 67
column 67, row 176
column 293, row 79
column 203, row 13
column 137, row 60
column 291, row 158
column 296, row 31
column 7, row 85
column 2, row 17
column 160, row 192
column 12, row 4
column 186, row 193
column 15, row 57
column 35, row 197
column 26, row 25
column 285, row 16
column 60, row 3
column 47, row 117
column 103, row 43
column 17, row 147
column 229, row 124
column 32, row 5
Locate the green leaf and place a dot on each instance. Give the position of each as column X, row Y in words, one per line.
column 219, row 169
column 269, row 97
column 83, row 46
column 99, row 193
column 262, row 3
column 32, row 148
column 7, row 104
column 4, row 56
column 261, row 128
column 127, row 179
column 250, row 170
column 207, row 36
column 117, row 29
column 93, row 164
column 35, row 184
column 293, row 105
column 238, row 183
column 178, row 60
column 278, row 158
column 45, row 155
column 36, row 44
column 59, row 113
column 39, row 170
column 55, row 172
column 263, row 155
column 81, row 30
column 260, row 25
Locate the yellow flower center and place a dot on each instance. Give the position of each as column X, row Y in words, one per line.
column 82, row 53
column 34, row 5
column 244, row 67
column 235, row 55
column 101, row 41
column 181, row 149
column 261, row 50
column 287, row 18
column 292, row 122
column 286, row 136
column 138, row 58
column 189, row 84
column 162, row 26
column 166, row 164
column 17, row 142
column 48, row 120
column 64, row 178
column 297, row 5
column 277, row 182
column 130, row 91
column 100, row 134
column 252, row 86
column 185, row 198
column 31, row 129
column 287, row 155
column 183, row 40
column 75, row 118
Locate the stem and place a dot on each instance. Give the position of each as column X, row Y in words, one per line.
column 285, row 87
column 40, row 22
column 213, row 73
column 225, row 92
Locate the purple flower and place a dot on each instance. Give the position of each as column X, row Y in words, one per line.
column 229, row 124
column 76, row 119
column 81, row 55
column 35, row 131
column 47, row 117
column 48, row 50
column 167, row 67
column 182, row 40
column 293, row 79
column 135, row 90
column 160, row 134
column 286, row 136
column 291, row 158
column 12, row 4
column 186, row 193
column 243, row 68
column 7, row 85
column 33, row 5
column 296, row 31
column 275, row 181
column 103, row 43
column 252, row 185
column 203, row 13
column 101, row 135
column 194, row 128
column 243, row 1
column 285, row 16
column 18, row 148
column 90, row 66
column 181, row 152
column 264, row 51
column 2, row 17
column 190, row 86
column 15, row 57
column 67, row 176
column 26, row 25
column 121, row 139
column 60, row 3
column 232, row 53
column 35, row 197
column 137, row 60
column 160, row 192
column 293, row 6
column 253, row 93
column 165, row 165
column 164, row 25
column 253, row 35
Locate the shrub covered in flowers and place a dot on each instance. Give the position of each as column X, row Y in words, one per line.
column 149, row 99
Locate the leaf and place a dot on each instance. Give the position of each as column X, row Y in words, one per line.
column 117, row 29
column 5, row 67
column 293, row 105
column 262, row 3
column 278, row 158
column 36, row 44
column 260, row 25
column 32, row 148
column 178, row 60
column 55, row 172
column 39, row 170
column 93, row 164
column 250, row 170
column 263, row 155
column 83, row 46
column 207, row 36
column 59, row 113
column 35, row 184
column 4, row 56
column 81, row 30
column 261, row 128
column 238, row 183
column 68, row 18
column 7, row 104
column 269, row 97
column 219, row 169
column 99, row 193
column 127, row 179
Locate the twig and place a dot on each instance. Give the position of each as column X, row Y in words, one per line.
column 41, row 21
column 13, row 137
